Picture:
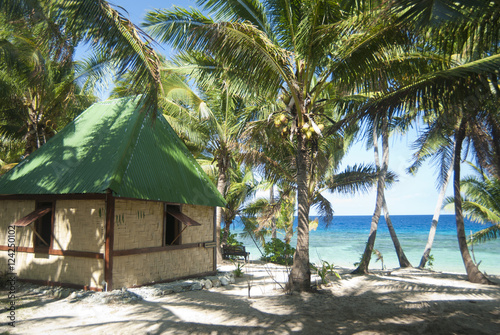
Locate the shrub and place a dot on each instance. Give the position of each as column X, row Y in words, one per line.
column 238, row 272
column 325, row 269
column 231, row 239
column 278, row 252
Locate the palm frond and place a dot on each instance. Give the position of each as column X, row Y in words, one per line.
column 242, row 45
column 358, row 178
column 425, row 13
column 239, row 10
column 479, row 213
column 484, row 235
column 324, row 208
column 109, row 32
column 434, row 90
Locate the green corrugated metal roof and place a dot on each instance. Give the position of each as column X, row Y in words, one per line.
column 113, row 146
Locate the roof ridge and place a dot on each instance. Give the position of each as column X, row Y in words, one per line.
column 122, row 163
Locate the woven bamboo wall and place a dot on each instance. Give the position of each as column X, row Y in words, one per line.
column 138, row 224
column 10, row 212
column 203, row 233
column 64, row 269
column 159, row 266
column 80, row 225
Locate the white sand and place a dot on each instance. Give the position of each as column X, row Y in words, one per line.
column 406, row 301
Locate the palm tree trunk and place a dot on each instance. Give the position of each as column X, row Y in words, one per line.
column 221, row 187
column 290, row 218
column 367, row 254
column 273, row 219
column 435, row 219
column 473, row 273
column 225, row 233
column 300, row 276
column 403, row 261
column 289, row 233
column 32, row 136
column 495, row 142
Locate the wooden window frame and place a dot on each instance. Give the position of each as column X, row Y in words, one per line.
column 177, row 228
column 42, row 248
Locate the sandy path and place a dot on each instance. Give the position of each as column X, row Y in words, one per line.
column 404, row 302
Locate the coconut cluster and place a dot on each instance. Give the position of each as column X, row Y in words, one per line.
column 281, row 121
column 309, row 131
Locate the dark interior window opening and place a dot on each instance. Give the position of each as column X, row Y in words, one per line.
column 43, row 227
column 172, row 227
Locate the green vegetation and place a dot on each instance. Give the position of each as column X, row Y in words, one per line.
column 231, row 239
column 481, row 203
column 430, row 261
column 238, row 272
column 278, row 252
column 283, row 89
column 325, row 270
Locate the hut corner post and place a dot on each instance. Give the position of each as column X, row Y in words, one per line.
column 110, row 234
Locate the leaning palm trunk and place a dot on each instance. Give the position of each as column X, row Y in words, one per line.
column 300, row 276
column 367, row 254
column 403, row 261
column 435, row 219
column 473, row 273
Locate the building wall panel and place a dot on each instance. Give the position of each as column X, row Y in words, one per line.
column 138, row 224
column 153, row 267
column 205, row 216
column 10, row 212
column 79, row 225
column 63, row 269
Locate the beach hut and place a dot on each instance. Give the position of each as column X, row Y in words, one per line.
column 113, row 200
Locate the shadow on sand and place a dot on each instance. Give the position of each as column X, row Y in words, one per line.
column 404, row 302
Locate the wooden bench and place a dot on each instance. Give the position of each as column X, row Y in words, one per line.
column 234, row 250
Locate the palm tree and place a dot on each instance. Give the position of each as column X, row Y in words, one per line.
column 481, row 203
column 276, row 161
column 288, row 48
column 473, row 272
column 40, row 94
column 403, row 260
column 468, row 82
column 242, row 186
column 223, row 129
column 274, row 214
column 437, row 144
column 380, row 204
column 60, row 25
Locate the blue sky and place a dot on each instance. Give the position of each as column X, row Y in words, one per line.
column 411, row 195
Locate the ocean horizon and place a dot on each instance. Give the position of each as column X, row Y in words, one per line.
column 343, row 241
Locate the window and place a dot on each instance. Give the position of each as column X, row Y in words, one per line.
column 43, row 227
column 172, row 229
column 172, row 226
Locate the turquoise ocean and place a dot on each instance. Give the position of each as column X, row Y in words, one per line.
column 342, row 242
